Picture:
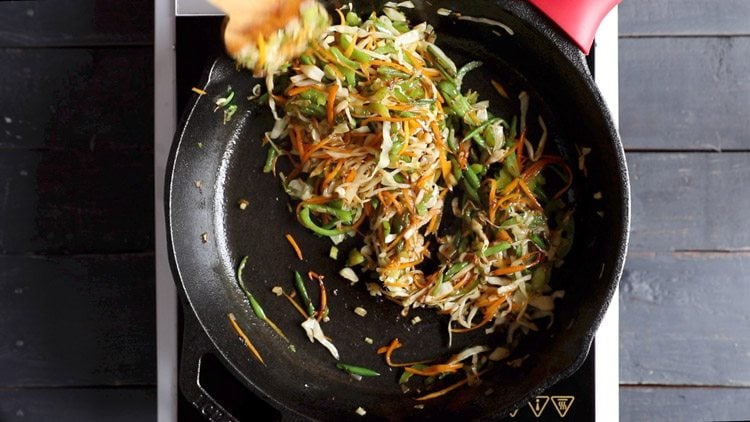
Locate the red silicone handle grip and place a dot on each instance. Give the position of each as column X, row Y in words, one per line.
column 579, row 19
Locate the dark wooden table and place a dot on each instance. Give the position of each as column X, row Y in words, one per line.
column 77, row 321
column 77, row 311
column 685, row 294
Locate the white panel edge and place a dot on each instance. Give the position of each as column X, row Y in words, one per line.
column 165, row 121
column 607, row 354
column 196, row 8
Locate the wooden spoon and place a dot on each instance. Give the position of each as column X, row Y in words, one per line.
column 251, row 21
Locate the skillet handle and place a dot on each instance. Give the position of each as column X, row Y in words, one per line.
column 579, row 19
column 194, row 346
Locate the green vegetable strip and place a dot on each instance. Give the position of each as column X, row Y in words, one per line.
column 457, row 102
column 253, row 302
column 271, row 157
column 470, row 190
column 343, row 215
column 474, row 134
column 306, row 220
column 445, row 63
column 357, row 370
column 496, row 248
column 455, row 269
column 299, row 283
column 468, row 67
column 342, row 59
column 472, row 178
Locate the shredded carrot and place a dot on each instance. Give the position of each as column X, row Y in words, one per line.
column 393, row 65
column 511, row 186
column 198, row 91
column 445, row 166
column 529, row 194
column 503, row 235
column 448, row 389
column 385, row 119
column 296, row 137
column 489, row 313
column 388, row 350
column 300, row 89
column 296, row 305
column 401, row 265
column 435, row 369
column 322, row 310
column 351, row 175
column 516, row 268
column 499, row 88
column 415, row 61
column 295, row 246
column 492, row 200
column 330, row 175
column 430, row 72
column 464, row 281
column 341, row 16
column 331, row 102
column 245, row 339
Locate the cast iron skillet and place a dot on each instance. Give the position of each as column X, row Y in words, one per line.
column 213, row 165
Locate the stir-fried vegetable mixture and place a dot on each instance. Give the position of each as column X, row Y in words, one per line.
column 449, row 199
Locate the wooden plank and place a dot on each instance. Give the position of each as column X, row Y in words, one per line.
column 689, row 201
column 684, row 404
column 74, row 98
column 85, row 320
column 76, row 201
column 74, row 405
column 684, row 319
column 76, row 23
column 685, row 93
column 684, row 17
column 87, row 113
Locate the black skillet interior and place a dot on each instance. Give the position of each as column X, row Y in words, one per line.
column 214, row 165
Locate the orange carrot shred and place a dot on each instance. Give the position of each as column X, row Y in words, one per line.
column 388, row 350
column 295, row 246
column 245, row 339
column 198, row 91
column 448, row 389
column 330, row 102
column 436, row 369
column 296, row 305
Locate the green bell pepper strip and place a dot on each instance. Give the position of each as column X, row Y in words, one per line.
column 471, row 178
column 352, row 19
column 455, row 269
column 305, row 59
column 257, row 309
column 476, row 132
column 445, row 63
column 343, row 215
column 299, row 283
column 495, row 249
column 313, row 95
column 468, row 67
column 470, row 190
column 271, row 157
column 457, row 102
column 357, row 370
column 358, row 54
column 342, row 59
column 306, row 220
